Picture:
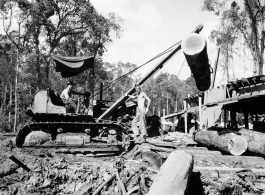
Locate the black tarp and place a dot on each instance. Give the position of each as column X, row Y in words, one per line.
column 72, row 66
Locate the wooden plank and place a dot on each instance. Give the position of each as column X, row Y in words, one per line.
column 21, row 164
column 248, row 161
column 200, row 152
column 191, row 148
column 225, row 170
column 174, row 175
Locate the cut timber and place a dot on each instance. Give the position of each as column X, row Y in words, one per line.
column 200, row 152
column 188, row 150
column 229, row 160
column 256, row 141
column 225, row 170
column 174, row 175
column 21, row 164
column 226, row 141
column 195, row 51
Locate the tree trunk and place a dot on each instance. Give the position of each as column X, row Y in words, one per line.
column 10, row 102
column 262, row 48
column 227, row 63
column 225, row 140
column 16, row 94
column 3, row 106
column 39, row 76
column 174, row 175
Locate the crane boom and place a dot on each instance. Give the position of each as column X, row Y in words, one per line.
column 147, row 76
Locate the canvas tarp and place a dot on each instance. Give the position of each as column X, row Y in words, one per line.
column 72, row 66
column 211, row 114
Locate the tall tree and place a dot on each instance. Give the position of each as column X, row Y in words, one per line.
column 11, row 14
column 46, row 27
column 245, row 22
column 166, row 91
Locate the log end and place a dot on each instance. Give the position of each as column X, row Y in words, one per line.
column 193, row 44
column 237, row 145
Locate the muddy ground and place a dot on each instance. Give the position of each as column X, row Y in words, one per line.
column 68, row 174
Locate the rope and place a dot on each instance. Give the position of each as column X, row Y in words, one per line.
column 181, row 67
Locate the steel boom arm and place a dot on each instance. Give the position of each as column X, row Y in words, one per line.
column 147, row 76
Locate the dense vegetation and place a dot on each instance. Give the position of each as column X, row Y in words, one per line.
column 240, row 31
column 33, row 30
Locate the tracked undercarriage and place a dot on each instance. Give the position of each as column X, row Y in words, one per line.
column 61, row 132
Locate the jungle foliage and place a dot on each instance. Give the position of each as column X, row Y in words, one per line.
column 33, row 30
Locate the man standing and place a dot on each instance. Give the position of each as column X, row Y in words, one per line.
column 139, row 121
column 66, row 97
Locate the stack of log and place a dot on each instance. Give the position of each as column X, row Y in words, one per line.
column 235, row 143
column 225, row 140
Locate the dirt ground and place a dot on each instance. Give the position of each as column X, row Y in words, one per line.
column 65, row 174
column 68, row 174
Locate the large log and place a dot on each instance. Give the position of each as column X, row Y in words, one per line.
column 174, row 175
column 194, row 48
column 226, row 141
column 256, row 141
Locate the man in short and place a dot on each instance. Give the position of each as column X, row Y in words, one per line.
column 66, row 97
column 139, row 122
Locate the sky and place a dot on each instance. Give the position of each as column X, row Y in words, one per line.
column 151, row 26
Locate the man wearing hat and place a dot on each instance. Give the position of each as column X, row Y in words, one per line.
column 66, row 97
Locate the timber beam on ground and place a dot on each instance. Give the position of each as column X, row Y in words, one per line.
column 227, row 170
column 246, row 161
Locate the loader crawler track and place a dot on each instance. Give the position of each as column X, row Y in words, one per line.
column 96, row 146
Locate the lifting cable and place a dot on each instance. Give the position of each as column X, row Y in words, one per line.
column 181, row 67
column 114, row 81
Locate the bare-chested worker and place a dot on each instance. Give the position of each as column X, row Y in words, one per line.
column 139, row 121
column 66, row 97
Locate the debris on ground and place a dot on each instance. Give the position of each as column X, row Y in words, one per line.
column 69, row 174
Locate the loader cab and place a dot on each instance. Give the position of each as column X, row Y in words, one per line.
column 48, row 101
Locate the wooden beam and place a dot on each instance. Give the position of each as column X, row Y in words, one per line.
column 174, row 175
column 21, row 164
column 225, row 170
column 244, row 161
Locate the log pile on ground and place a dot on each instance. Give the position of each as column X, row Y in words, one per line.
column 62, row 174
column 225, row 140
